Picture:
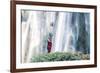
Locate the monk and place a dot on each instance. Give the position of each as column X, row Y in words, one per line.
column 49, row 46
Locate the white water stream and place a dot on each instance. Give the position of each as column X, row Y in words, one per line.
column 63, row 26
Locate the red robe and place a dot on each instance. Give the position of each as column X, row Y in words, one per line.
column 49, row 46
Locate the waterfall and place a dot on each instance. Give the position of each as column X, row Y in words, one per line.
column 34, row 36
column 25, row 36
column 70, row 32
column 66, row 32
column 59, row 32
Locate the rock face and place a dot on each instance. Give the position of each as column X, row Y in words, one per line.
column 66, row 31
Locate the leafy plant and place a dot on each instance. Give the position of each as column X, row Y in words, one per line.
column 59, row 56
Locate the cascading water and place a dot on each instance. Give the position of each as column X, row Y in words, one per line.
column 69, row 32
column 66, row 32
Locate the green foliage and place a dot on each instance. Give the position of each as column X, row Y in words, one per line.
column 59, row 56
